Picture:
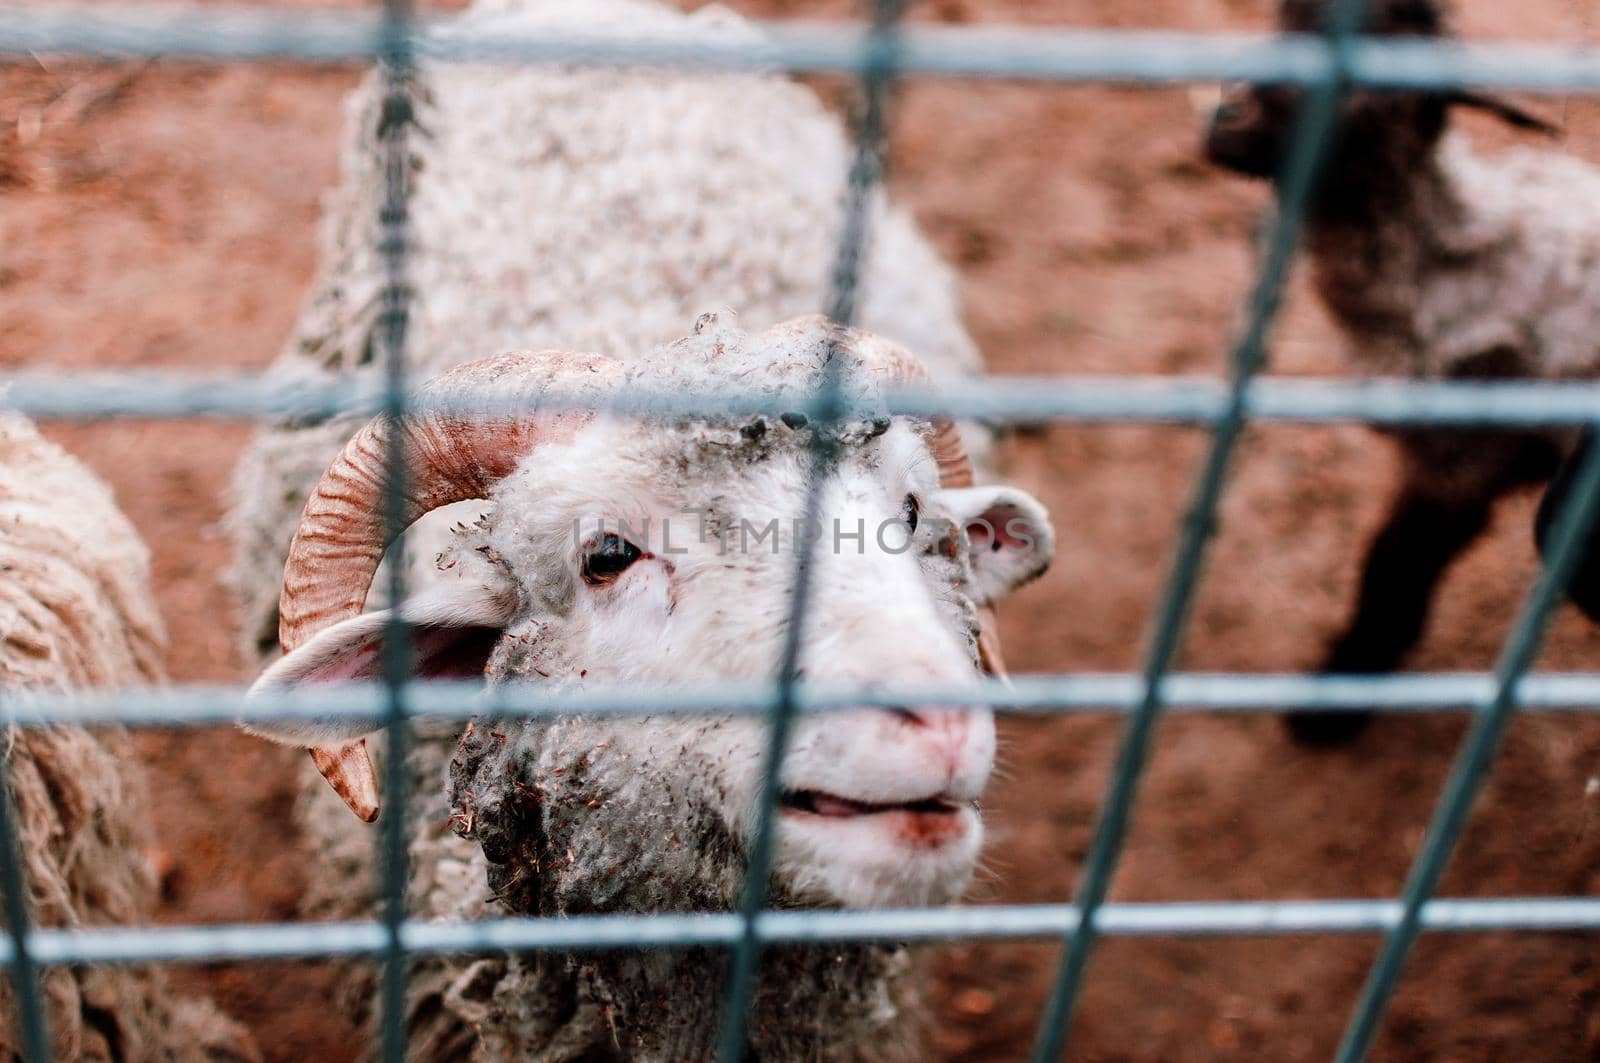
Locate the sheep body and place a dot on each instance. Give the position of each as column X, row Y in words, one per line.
column 848, row 1002
column 1583, row 585
column 1491, row 253
column 76, row 611
column 582, row 209
column 1490, row 270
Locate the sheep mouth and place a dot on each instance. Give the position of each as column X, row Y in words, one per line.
column 832, row 806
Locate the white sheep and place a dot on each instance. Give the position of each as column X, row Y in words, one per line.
column 76, row 612
column 1437, row 262
column 566, row 207
column 661, row 551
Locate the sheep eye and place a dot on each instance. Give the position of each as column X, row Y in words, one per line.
column 909, row 511
column 608, row 558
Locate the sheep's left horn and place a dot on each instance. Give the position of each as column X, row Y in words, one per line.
column 450, row 457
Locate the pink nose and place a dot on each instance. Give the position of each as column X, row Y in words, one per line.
column 946, row 730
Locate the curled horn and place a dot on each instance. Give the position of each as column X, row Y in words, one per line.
column 450, row 457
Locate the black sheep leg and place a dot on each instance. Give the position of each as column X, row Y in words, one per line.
column 1583, row 587
column 1452, row 480
column 1403, row 567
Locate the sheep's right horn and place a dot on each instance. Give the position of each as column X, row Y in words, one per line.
column 348, row 769
column 889, row 361
column 450, row 457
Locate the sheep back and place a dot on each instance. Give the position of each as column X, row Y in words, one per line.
column 1485, row 268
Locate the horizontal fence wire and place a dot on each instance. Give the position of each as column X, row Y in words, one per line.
column 1032, row 53
column 1086, row 692
column 1187, row 400
column 1328, row 65
column 1033, row 922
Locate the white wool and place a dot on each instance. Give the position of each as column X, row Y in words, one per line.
column 1482, row 253
column 605, row 209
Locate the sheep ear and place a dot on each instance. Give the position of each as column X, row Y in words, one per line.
column 453, row 630
column 1507, row 111
column 1009, row 537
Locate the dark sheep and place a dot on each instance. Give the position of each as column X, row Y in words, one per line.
column 1437, row 262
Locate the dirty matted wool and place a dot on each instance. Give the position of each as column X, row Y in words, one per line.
column 76, row 612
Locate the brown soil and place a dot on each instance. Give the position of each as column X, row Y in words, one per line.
column 162, row 216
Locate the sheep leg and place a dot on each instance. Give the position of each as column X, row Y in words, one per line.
column 1583, row 586
column 1451, row 482
column 1403, row 566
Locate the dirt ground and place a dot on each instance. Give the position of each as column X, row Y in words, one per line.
column 162, row 216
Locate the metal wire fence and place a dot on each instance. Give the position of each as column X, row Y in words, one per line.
column 1327, row 65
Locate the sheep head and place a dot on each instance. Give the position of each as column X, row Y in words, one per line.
column 1380, row 137
column 662, row 551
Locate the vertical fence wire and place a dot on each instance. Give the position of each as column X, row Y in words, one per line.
column 1572, row 530
column 394, row 124
column 1307, row 149
column 26, row 984
column 866, row 169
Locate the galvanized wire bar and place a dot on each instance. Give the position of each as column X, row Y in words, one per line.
column 877, row 72
column 1306, row 151
column 394, row 126
column 1574, row 527
column 26, row 984
column 1179, row 401
column 1085, row 692
column 1034, row 53
column 228, row 943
